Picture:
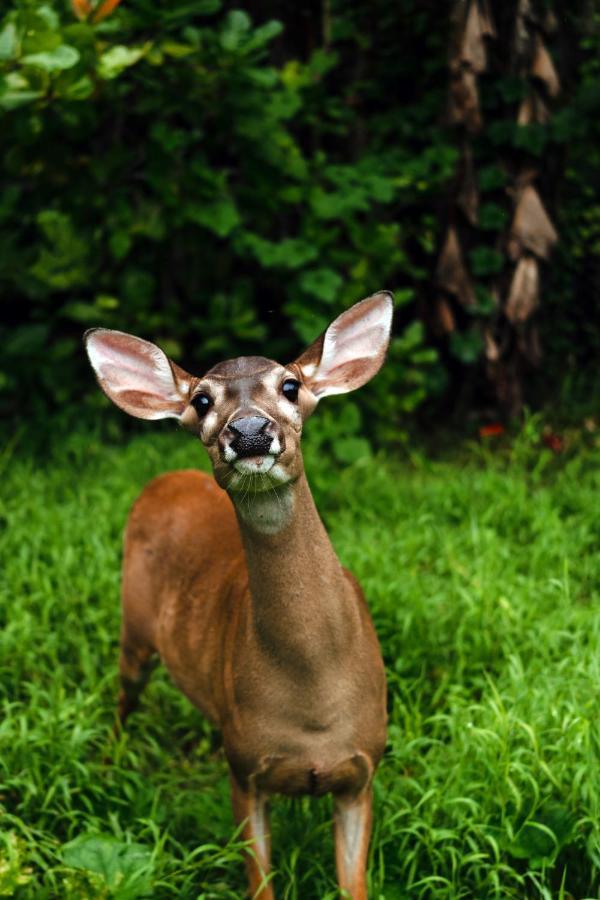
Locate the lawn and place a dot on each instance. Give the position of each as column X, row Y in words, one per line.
column 482, row 575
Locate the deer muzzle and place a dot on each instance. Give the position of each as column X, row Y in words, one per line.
column 250, row 436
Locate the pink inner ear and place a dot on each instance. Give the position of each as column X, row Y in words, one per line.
column 136, row 375
column 340, row 379
column 143, row 400
column 354, row 347
column 356, row 336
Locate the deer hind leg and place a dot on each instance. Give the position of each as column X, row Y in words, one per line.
column 352, row 829
column 136, row 663
column 250, row 807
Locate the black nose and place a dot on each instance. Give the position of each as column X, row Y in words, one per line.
column 250, row 438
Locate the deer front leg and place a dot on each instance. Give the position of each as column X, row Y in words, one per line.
column 352, row 819
column 250, row 807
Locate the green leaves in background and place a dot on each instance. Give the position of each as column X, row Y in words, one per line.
column 200, row 178
column 62, row 57
column 233, row 182
column 114, row 61
column 62, row 256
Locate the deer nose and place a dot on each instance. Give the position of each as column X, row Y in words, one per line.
column 250, row 437
column 249, row 426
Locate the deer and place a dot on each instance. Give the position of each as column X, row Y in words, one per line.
column 233, row 583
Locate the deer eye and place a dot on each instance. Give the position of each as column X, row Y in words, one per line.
column 290, row 388
column 201, row 403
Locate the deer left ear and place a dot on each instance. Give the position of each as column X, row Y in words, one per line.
column 352, row 350
column 136, row 375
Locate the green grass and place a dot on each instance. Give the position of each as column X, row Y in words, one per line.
column 482, row 575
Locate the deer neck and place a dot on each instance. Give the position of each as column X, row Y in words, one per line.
column 300, row 597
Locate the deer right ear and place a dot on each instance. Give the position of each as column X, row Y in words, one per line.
column 136, row 375
column 352, row 350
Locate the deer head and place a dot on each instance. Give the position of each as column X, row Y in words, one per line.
column 248, row 412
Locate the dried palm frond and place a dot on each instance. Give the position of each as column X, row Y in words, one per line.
column 451, row 274
column 492, row 350
column 542, row 67
column 464, row 100
column 467, row 196
column 444, row 322
column 532, row 109
column 487, row 21
column 526, row 175
column 524, row 294
column 473, row 51
column 531, row 227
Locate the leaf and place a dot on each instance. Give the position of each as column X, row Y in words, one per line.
column 492, row 217
column 335, row 204
column 403, row 296
column 485, row 261
column 322, row 283
column 48, row 16
column 176, row 49
column 80, row 89
column 349, row 420
column 492, row 178
column 183, row 11
column 410, row 339
column 14, row 99
column 291, row 253
column 466, row 346
column 486, row 301
column 62, row 259
column 237, row 25
column 8, row 42
column 62, row 57
column 263, row 77
column 220, row 217
column 121, row 866
column 26, row 339
column 118, row 58
column 119, row 243
column 86, row 313
column 264, row 34
column 351, row 449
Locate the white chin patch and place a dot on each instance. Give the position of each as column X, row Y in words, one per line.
column 254, row 465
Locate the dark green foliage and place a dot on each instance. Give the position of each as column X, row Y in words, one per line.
column 210, row 182
column 225, row 180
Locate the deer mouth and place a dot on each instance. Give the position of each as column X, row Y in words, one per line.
column 254, row 465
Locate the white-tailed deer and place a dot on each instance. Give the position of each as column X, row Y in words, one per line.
column 234, row 583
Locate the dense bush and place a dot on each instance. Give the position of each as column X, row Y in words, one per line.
column 225, row 184
column 169, row 176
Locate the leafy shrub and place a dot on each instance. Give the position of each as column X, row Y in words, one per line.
column 189, row 175
column 223, row 185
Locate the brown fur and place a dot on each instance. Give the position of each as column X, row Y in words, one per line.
column 266, row 634
column 240, row 593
